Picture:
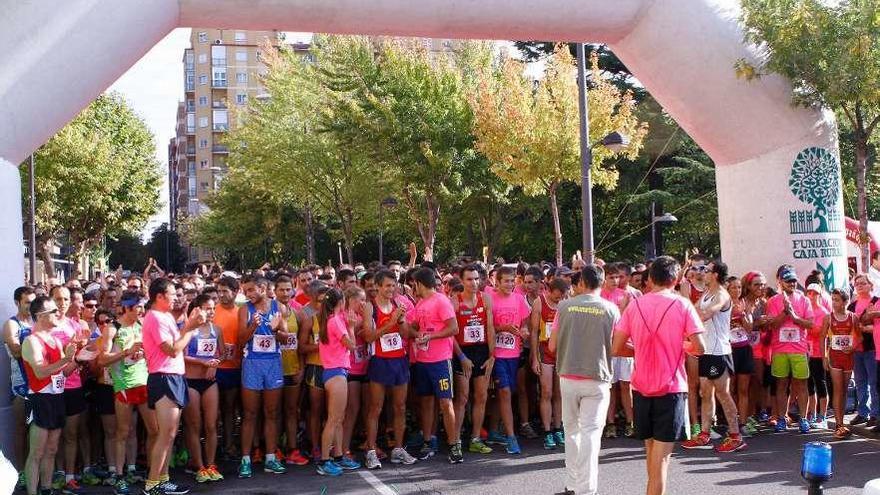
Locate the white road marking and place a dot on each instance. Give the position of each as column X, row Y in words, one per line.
column 376, row 483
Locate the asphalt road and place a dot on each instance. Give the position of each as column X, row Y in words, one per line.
column 770, row 465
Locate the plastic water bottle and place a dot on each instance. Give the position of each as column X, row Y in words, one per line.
column 817, row 465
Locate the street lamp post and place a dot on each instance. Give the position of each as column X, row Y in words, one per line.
column 615, row 141
column 661, row 219
column 388, row 202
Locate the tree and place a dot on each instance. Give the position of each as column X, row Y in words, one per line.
column 529, row 131
column 96, row 177
column 127, row 250
column 829, row 52
column 407, row 110
column 164, row 247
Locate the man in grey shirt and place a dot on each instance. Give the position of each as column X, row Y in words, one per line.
column 581, row 339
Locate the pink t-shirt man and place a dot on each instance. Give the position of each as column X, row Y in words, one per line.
column 508, row 310
column 815, row 337
column 658, row 324
column 431, row 315
column 789, row 337
column 160, row 327
column 334, row 354
column 615, row 295
column 67, row 330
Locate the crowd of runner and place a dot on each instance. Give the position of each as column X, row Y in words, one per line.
column 360, row 365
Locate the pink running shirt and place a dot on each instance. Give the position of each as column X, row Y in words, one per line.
column 67, row 330
column 334, row 354
column 160, row 327
column 788, row 337
column 508, row 310
column 431, row 315
column 659, row 343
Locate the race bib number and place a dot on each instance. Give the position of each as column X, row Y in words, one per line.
column 738, row 336
column 391, row 342
column 841, row 342
column 290, row 344
column 316, row 338
column 131, row 360
column 207, row 348
column 264, row 343
column 505, row 340
column 361, row 354
column 106, row 375
column 57, row 383
column 423, row 346
column 754, row 338
column 228, row 351
column 546, row 330
column 790, row 335
column 474, row 334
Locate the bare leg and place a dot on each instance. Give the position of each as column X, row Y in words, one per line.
column 291, row 411
column 693, row 376
column 192, row 420
column 478, row 405
column 398, row 398
column 352, row 410
column 462, row 395
column 337, row 397
column 374, row 409
column 168, row 419
column 271, row 404
column 722, row 390
column 316, row 413
column 209, row 422
column 658, row 458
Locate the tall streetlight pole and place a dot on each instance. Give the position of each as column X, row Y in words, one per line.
column 615, row 142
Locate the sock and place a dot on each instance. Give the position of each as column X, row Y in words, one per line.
column 246, row 458
column 270, row 457
column 132, row 468
column 337, row 458
column 164, row 478
column 68, row 478
column 476, row 439
column 149, row 484
column 112, row 469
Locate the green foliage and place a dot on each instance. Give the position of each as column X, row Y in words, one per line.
column 97, row 177
column 164, row 247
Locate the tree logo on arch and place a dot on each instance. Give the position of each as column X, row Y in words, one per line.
column 815, row 180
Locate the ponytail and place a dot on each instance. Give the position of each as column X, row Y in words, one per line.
column 331, row 299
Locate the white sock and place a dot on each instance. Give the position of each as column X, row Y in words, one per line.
column 132, row 468
column 270, row 457
column 68, row 477
column 246, row 458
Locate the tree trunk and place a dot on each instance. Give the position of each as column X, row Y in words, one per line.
column 44, row 252
column 348, row 235
column 557, row 230
column 310, row 236
column 861, row 169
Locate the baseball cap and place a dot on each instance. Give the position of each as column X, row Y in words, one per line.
column 788, row 275
column 130, row 302
column 815, row 288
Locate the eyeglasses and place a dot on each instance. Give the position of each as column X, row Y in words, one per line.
column 103, row 322
column 48, row 311
column 701, row 268
column 91, row 306
column 134, row 287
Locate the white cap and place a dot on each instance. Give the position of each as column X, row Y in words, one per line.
column 815, row 288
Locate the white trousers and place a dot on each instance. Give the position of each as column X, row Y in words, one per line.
column 584, row 407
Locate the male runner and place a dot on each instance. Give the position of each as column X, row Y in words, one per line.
column 229, row 371
column 544, row 361
column 15, row 330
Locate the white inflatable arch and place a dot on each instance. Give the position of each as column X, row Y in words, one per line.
column 777, row 168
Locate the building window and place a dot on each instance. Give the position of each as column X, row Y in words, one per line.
column 221, row 122
column 190, row 81
column 203, row 143
column 203, row 79
column 203, row 58
column 203, row 101
column 241, row 77
column 190, row 105
column 241, row 98
column 191, row 187
column 191, row 168
column 203, row 37
column 190, row 122
column 240, row 37
column 218, row 55
column 203, row 164
column 203, row 121
column 241, row 55
column 219, row 80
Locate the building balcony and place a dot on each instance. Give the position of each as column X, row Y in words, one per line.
column 221, row 127
column 218, row 104
column 191, row 151
column 190, row 129
column 219, row 148
column 218, row 62
column 218, row 83
column 190, row 86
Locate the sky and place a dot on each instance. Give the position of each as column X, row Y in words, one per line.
column 154, row 86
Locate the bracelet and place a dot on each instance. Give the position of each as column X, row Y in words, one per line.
column 461, row 356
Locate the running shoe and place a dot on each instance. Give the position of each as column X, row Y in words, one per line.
column 244, row 469
column 629, row 431
column 715, row 433
column 22, row 481
column 279, row 454
column 513, row 445
column 434, row 443
column 133, row 477
column 696, row 428
column 348, row 464
column 819, row 423
column 731, row 444
column 121, row 487
column 455, row 455
column 560, row 437
column 72, row 487
column 772, row 421
column 872, row 422
column 496, row 438
column 215, row 474
column 89, row 478
column 58, row 480
column 426, row 452
column 858, row 420
column 274, row 467
column 295, row 458
column 781, row 425
column 316, row 455
column 549, row 441
column 701, row 440
column 156, row 490
column 257, row 456
column 803, row 426
column 748, row 430
column 170, row 488
column 203, row 475
column 328, row 468
column 610, row 431
column 842, row 432
column 526, row 431
column 371, row 460
column 478, row 447
column 763, row 416
column 400, row 456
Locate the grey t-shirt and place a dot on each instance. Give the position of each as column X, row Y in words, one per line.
column 584, row 325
